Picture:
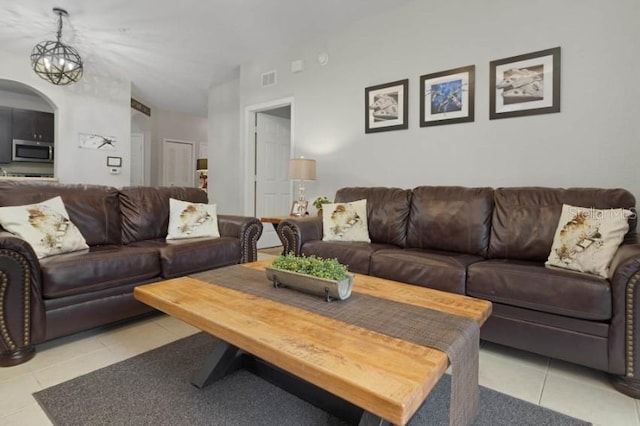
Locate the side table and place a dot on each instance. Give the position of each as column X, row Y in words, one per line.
column 275, row 221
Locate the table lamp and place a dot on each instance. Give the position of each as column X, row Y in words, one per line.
column 302, row 169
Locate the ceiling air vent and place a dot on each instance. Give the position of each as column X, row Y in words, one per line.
column 269, row 79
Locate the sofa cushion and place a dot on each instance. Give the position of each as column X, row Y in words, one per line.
column 427, row 268
column 356, row 256
column 145, row 210
column 450, row 218
column 387, row 211
column 94, row 209
column 98, row 268
column 182, row 257
column 587, row 239
column 191, row 220
column 525, row 219
column 345, row 222
column 530, row 285
column 45, row 226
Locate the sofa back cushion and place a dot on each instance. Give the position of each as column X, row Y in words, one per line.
column 94, row 209
column 145, row 210
column 387, row 211
column 451, row 218
column 525, row 218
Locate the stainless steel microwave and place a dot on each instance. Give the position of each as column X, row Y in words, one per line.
column 32, row 151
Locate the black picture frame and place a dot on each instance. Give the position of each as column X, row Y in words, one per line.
column 114, row 161
column 448, row 97
column 386, row 107
column 524, row 85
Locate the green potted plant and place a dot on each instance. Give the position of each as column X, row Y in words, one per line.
column 318, row 202
column 325, row 277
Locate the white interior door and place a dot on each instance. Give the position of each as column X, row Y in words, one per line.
column 137, row 159
column 179, row 163
column 273, row 188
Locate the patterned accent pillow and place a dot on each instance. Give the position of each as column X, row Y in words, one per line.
column 345, row 222
column 587, row 239
column 191, row 220
column 45, row 226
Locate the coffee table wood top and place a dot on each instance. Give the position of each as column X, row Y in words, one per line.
column 386, row 376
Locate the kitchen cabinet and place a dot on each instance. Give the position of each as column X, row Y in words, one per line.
column 33, row 125
column 5, row 135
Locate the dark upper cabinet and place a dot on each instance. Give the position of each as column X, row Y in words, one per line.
column 33, row 125
column 5, row 135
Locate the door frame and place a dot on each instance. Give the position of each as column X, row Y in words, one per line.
column 146, row 163
column 194, row 154
column 249, row 146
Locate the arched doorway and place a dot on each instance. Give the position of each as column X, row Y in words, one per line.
column 27, row 121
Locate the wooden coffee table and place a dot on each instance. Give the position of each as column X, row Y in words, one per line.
column 387, row 377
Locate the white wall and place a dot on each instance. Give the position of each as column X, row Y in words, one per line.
column 593, row 141
column 96, row 104
column 225, row 165
column 24, row 101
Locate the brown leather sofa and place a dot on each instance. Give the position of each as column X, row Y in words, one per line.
column 41, row 299
column 492, row 244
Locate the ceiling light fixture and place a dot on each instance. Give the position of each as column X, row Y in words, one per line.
column 55, row 61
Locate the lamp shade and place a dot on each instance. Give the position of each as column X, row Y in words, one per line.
column 302, row 169
column 202, row 164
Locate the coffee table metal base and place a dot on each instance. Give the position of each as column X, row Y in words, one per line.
column 226, row 358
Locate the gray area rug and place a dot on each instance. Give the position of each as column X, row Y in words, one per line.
column 154, row 389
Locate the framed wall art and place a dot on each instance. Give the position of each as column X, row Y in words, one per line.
column 299, row 208
column 386, row 107
column 114, row 161
column 93, row 141
column 447, row 97
column 525, row 85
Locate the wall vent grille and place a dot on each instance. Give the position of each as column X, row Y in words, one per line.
column 269, row 79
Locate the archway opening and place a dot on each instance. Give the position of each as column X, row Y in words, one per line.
column 27, row 131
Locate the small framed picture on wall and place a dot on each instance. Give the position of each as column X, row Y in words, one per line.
column 386, row 107
column 447, row 97
column 114, row 161
column 527, row 84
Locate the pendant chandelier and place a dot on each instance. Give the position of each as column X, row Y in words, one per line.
column 55, row 61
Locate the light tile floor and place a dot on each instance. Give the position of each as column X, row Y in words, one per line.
column 571, row 389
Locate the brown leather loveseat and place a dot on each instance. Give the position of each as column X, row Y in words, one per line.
column 492, row 244
column 41, row 299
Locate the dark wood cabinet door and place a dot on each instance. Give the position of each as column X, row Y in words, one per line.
column 23, row 124
column 5, row 135
column 33, row 125
column 45, row 126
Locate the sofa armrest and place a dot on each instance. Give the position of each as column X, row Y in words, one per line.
column 296, row 231
column 624, row 332
column 247, row 229
column 21, row 305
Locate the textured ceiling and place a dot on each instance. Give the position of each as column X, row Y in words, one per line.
column 173, row 51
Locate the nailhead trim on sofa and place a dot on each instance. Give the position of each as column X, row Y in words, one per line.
column 630, row 323
column 4, row 282
column 253, row 232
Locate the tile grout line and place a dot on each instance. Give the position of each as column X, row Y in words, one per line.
column 544, row 382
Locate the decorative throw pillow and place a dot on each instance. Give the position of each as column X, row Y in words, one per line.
column 345, row 222
column 587, row 239
column 45, row 226
column 191, row 220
